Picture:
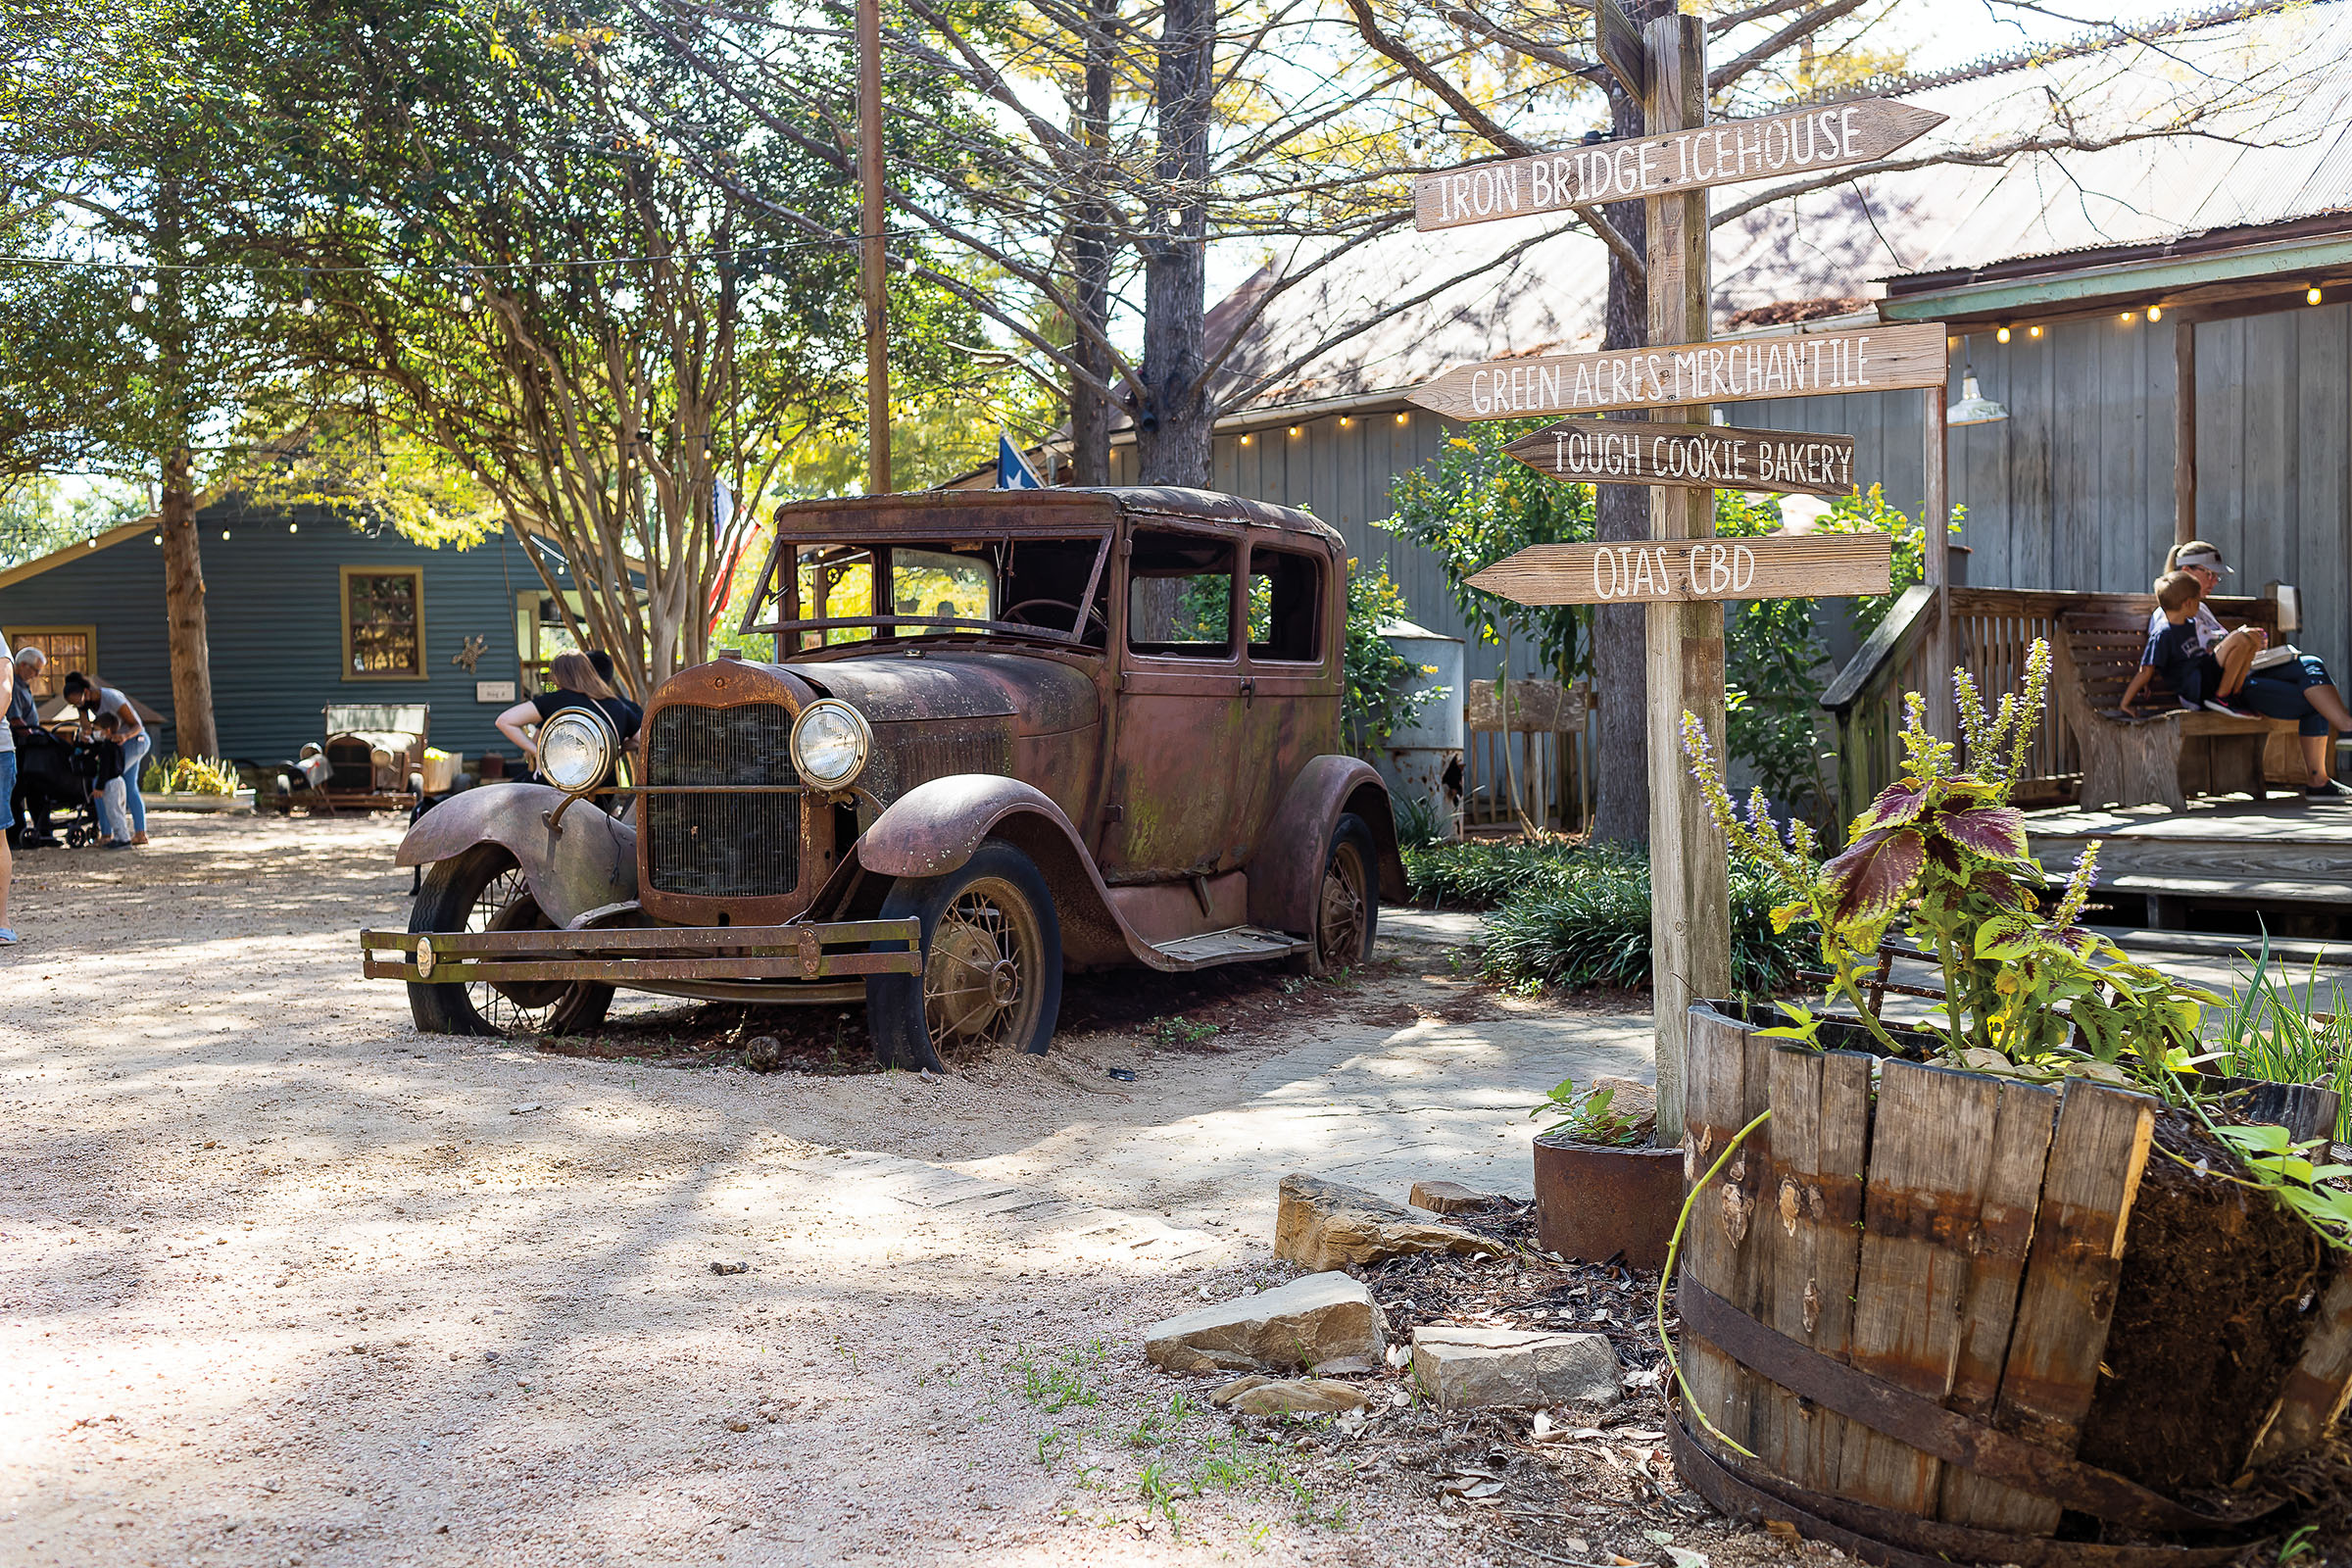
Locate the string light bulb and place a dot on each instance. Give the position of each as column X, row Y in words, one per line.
column 293, row 528
column 310, row 301
column 2001, row 336
column 1293, row 431
column 2034, row 330
column 2310, row 295
column 139, row 296
column 466, row 296
column 1401, row 417
column 2155, row 313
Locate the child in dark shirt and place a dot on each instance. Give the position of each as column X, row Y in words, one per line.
column 2178, row 651
column 106, row 749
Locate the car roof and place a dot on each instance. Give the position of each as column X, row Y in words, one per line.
column 1062, row 507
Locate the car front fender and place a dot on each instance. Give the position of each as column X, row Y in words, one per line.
column 933, row 827
column 1286, row 876
column 587, row 862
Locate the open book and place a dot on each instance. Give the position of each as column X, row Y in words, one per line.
column 2272, row 657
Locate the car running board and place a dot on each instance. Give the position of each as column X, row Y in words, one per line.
column 1238, row 944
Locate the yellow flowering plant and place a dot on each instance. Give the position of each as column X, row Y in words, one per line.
column 2028, row 991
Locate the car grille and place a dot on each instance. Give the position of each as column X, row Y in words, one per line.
column 723, row 845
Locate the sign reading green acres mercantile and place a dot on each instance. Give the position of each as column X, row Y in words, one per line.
column 1877, row 359
column 1768, row 147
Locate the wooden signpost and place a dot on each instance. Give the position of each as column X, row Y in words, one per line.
column 1768, row 147
column 1826, row 566
column 1668, row 375
column 1684, row 572
column 1712, row 456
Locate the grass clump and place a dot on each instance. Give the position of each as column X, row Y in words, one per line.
column 1479, row 874
column 1593, row 929
column 2271, row 1033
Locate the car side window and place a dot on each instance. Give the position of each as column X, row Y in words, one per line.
column 1180, row 596
column 1286, row 605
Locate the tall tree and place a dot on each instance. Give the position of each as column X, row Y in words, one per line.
column 1100, row 149
column 533, row 278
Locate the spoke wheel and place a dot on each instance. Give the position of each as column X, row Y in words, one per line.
column 992, row 964
column 1346, row 912
column 980, row 976
column 484, row 890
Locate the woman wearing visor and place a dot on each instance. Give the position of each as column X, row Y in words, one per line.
column 577, row 685
column 2298, row 689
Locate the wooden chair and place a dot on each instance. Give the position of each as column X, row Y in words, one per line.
column 2166, row 753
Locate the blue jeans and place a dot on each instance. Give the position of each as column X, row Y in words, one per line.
column 8, row 786
column 2278, row 693
column 134, row 754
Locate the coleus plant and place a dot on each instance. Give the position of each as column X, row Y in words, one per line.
column 2028, row 991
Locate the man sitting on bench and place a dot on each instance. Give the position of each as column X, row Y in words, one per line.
column 2296, row 689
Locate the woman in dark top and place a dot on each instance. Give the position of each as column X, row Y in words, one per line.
column 577, row 685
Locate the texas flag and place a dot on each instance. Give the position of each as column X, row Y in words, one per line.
column 1013, row 469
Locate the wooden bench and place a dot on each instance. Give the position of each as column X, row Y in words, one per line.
column 2166, row 753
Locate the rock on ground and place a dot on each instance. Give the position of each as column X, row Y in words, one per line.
column 1324, row 1225
column 1449, row 1198
column 1467, row 1368
column 1308, row 1322
column 1300, row 1396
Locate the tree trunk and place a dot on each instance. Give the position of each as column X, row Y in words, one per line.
column 1174, row 423
column 1091, row 249
column 192, row 731
column 193, row 734
column 1620, row 679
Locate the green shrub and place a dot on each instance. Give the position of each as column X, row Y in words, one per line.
column 1478, row 874
column 1591, row 928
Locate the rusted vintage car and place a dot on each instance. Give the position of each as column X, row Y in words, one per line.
column 1004, row 734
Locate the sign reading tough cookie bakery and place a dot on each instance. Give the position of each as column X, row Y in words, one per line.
column 1774, row 567
column 1722, row 154
column 1877, row 359
column 1710, row 457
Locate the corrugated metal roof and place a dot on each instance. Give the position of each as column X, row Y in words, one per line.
column 2229, row 155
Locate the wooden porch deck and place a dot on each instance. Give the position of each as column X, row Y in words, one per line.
column 2289, row 860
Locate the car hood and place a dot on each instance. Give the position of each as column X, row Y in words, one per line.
column 1046, row 693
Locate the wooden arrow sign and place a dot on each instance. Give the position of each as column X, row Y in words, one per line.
column 1799, row 142
column 1824, row 566
column 1808, row 365
column 1707, row 457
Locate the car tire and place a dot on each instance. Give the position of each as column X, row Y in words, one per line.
column 483, row 889
column 1346, row 915
column 992, row 964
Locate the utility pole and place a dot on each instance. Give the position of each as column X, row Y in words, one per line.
column 872, row 260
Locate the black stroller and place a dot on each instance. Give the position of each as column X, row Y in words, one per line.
column 54, row 774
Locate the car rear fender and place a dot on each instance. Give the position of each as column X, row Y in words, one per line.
column 586, row 862
column 934, row 828
column 1286, row 875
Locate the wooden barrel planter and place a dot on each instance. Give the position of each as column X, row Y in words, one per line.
column 1960, row 1318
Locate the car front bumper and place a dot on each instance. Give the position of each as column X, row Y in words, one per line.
column 634, row 954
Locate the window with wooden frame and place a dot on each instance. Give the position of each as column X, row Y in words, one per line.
column 383, row 623
column 69, row 649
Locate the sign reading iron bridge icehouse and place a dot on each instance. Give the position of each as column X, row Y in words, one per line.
column 1725, row 153
column 1804, row 364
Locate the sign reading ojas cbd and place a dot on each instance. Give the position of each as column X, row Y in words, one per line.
column 1721, row 153
column 1880, row 359
column 1774, row 567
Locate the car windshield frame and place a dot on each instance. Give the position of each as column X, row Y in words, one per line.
column 790, row 627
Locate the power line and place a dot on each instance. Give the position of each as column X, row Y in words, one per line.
column 754, row 253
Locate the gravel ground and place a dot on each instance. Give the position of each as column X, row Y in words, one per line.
column 282, row 1281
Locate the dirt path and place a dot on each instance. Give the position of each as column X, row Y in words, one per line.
column 284, row 1282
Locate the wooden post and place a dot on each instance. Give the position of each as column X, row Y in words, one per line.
column 872, row 260
column 2185, row 427
column 1936, row 518
column 1690, row 920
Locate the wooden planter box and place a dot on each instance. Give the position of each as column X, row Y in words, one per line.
column 1595, row 1203
column 1941, row 1311
column 190, row 800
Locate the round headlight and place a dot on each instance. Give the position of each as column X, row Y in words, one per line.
column 830, row 740
column 576, row 749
